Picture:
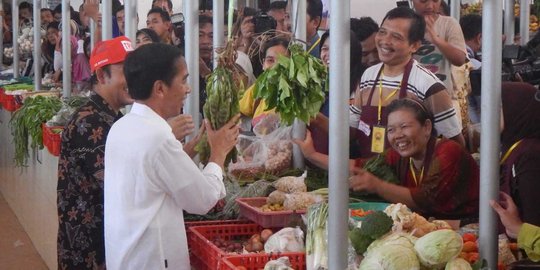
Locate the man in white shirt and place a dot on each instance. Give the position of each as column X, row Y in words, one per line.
column 150, row 178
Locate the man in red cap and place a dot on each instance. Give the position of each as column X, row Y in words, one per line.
column 81, row 164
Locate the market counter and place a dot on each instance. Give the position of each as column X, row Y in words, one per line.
column 31, row 192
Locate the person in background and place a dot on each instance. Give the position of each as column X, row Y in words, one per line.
column 278, row 10
column 527, row 235
column 176, row 32
column 149, row 178
column 46, row 17
column 313, row 20
column 159, row 21
column 256, row 108
column 520, row 145
column 81, row 167
column 120, row 19
column 443, row 46
column 438, row 177
column 25, row 11
column 366, row 29
column 48, row 46
column 471, row 25
column 146, row 36
column 398, row 76
column 166, row 5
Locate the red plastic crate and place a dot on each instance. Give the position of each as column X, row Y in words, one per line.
column 52, row 140
column 250, row 209
column 196, row 262
column 10, row 103
column 258, row 261
column 207, row 255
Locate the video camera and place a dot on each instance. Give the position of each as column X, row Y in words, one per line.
column 179, row 26
column 521, row 62
column 262, row 21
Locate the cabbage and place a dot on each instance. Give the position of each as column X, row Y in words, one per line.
column 390, row 257
column 402, row 239
column 436, row 248
column 458, row 264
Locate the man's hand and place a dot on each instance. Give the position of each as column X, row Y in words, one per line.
column 223, row 140
column 182, row 125
column 508, row 212
column 91, row 8
column 204, row 70
column 189, row 147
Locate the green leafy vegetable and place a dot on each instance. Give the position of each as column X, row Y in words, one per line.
column 373, row 227
column 294, row 87
column 378, row 167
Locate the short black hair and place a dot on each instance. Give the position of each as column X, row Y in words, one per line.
column 275, row 42
column 149, row 33
column 314, row 8
column 421, row 113
column 164, row 14
column 46, row 9
column 364, row 27
column 471, row 25
column 53, row 25
column 148, row 64
column 169, row 3
column 417, row 28
column 121, row 7
column 278, row 5
column 24, row 5
column 205, row 19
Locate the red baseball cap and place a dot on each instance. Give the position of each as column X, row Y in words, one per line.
column 110, row 52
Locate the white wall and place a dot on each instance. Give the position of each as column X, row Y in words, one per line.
column 375, row 9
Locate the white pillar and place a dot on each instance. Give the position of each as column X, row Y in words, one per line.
column 191, row 11
column 338, row 167
column 37, row 44
column 130, row 8
column 15, row 37
column 490, row 135
column 218, row 17
column 509, row 24
column 106, row 20
column 524, row 14
column 299, row 127
column 66, row 48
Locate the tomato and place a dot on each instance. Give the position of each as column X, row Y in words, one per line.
column 470, row 247
column 360, row 212
column 469, row 237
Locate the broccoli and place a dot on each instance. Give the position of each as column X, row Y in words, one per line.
column 373, row 227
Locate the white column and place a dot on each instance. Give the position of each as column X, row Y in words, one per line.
column 490, row 135
column 455, row 9
column 106, row 19
column 15, row 37
column 130, row 8
column 37, row 44
column 509, row 24
column 218, row 17
column 66, row 48
column 524, row 14
column 299, row 127
column 191, row 12
column 338, row 167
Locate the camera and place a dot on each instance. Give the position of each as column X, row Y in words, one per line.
column 178, row 24
column 522, row 61
column 264, row 22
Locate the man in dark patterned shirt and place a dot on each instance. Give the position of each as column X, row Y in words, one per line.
column 81, row 166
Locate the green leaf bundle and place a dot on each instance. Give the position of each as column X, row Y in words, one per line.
column 294, row 87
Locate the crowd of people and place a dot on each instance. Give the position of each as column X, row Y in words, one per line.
column 123, row 180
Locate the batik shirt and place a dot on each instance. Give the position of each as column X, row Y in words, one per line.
column 80, row 186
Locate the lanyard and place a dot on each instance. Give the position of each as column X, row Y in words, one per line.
column 379, row 107
column 507, row 154
column 419, row 180
column 315, row 44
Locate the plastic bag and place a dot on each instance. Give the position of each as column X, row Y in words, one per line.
column 300, row 200
column 291, row 184
column 276, row 197
column 268, row 124
column 270, row 154
column 281, row 263
column 286, row 240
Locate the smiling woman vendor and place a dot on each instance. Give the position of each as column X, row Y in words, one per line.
column 438, row 177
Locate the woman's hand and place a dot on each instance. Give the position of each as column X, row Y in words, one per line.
column 363, row 180
column 306, row 145
column 508, row 212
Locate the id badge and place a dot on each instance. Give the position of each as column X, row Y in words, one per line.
column 365, row 128
column 377, row 139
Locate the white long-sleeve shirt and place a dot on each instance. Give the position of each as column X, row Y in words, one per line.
column 149, row 180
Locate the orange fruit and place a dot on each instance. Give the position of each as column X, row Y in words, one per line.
column 474, row 257
column 470, row 246
column 468, row 237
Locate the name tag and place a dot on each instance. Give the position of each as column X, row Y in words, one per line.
column 365, row 128
column 377, row 140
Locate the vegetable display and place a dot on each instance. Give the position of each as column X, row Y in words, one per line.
column 316, row 237
column 373, row 227
column 378, row 167
column 26, row 125
column 294, row 87
column 222, row 103
column 437, row 248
